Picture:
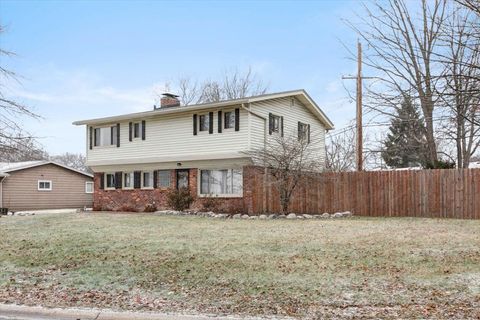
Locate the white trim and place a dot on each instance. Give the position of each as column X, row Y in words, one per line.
column 86, row 189
column 44, row 181
column 132, row 180
column 105, row 180
column 142, row 180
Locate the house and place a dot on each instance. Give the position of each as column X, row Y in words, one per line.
column 43, row 184
column 137, row 157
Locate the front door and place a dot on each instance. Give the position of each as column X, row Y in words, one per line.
column 182, row 178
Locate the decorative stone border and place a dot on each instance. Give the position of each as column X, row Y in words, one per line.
column 290, row 216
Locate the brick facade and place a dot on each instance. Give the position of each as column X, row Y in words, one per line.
column 140, row 199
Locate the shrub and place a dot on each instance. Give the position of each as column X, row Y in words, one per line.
column 150, row 208
column 210, row 204
column 440, row 164
column 179, row 199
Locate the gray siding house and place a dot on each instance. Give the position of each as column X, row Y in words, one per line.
column 34, row 185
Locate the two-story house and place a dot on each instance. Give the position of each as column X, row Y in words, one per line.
column 137, row 157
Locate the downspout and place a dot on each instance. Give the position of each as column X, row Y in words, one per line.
column 265, row 170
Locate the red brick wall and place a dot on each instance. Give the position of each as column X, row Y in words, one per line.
column 139, row 199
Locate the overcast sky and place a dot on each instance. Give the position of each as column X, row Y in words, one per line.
column 81, row 60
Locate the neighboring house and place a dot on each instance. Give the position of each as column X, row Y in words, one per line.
column 43, row 184
column 137, row 157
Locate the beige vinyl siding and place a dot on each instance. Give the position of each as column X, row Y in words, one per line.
column 20, row 189
column 170, row 138
column 291, row 116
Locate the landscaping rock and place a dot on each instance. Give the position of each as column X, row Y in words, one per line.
column 347, row 214
column 237, row 216
column 253, row 217
column 281, row 216
column 325, row 215
column 273, row 216
column 308, row 216
column 262, row 217
column 337, row 215
column 245, row 216
column 291, row 216
column 300, row 217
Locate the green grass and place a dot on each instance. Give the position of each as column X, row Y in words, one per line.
column 372, row 267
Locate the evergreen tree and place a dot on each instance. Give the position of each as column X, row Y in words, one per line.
column 405, row 145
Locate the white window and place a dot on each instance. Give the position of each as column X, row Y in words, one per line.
column 88, row 187
column 302, row 131
column 164, row 178
column 204, row 122
column 105, row 136
column 147, row 179
column 128, row 180
column 276, row 123
column 44, row 185
column 229, row 120
column 109, row 181
column 137, row 127
column 221, row 182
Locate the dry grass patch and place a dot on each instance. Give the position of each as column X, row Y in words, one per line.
column 332, row 268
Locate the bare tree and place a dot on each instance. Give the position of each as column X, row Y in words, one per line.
column 288, row 160
column 461, row 95
column 233, row 84
column 13, row 138
column 73, row 160
column 22, row 148
column 473, row 5
column 340, row 150
column 401, row 42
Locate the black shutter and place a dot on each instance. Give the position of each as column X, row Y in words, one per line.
column 270, row 123
column 281, row 125
column 143, row 129
column 91, row 137
column 210, row 122
column 219, row 121
column 130, row 134
column 155, row 178
column 111, row 134
column 137, row 179
column 118, row 135
column 94, row 137
column 194, row 124
column 308, row 133
column 118, row 180
column 102, row 180
column 299, row 130
column 237, row 119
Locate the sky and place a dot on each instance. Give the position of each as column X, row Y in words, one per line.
column 87, row 59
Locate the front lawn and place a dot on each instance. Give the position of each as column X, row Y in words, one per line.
column 368, row 267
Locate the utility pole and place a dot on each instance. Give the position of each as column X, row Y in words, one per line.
column 359, row 78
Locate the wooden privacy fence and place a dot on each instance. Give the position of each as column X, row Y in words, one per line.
column 452, row 193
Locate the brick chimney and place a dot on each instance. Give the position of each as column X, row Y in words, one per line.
column 169, row 100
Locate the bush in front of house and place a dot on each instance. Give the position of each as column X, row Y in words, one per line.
column 210, row 203
column 180, row 199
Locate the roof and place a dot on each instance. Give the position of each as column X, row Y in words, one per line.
column 6, row 167
column 301, row 94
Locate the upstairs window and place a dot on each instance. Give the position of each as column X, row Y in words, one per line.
column 137, row 129
column 302, row 131
column 229, row 120
column 105, row 136
column 275, row 123
column 204, row 122
column 44, row 185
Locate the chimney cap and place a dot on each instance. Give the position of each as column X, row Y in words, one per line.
column 170, row 95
